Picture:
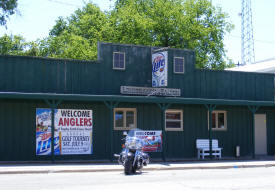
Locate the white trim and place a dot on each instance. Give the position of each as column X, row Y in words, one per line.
column 182, row 65
column 124, row 110
column 216, row 120
column 181, row 120
column 123, row 61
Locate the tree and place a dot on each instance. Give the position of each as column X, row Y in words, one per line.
column 76, row 37
column 16, row 45
column 12, row 45
column 7, row 8
column 68, row 45
column 191, row 24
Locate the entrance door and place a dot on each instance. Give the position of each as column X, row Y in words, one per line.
column 260, row 134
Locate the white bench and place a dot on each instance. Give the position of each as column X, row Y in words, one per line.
column 204, row 148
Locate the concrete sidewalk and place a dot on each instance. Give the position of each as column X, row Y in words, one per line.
column 107, row 167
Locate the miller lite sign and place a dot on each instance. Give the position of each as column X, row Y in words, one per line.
column 159, row 69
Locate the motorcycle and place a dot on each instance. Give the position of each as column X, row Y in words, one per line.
column 132, row 156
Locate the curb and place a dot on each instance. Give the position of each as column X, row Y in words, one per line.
column 47, row 171
column 211, row 167
column 59, row 171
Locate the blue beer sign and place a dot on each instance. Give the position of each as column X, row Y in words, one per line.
column 159, row 69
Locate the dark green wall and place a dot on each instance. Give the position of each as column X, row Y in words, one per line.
column 17, row 137
column 29, row 74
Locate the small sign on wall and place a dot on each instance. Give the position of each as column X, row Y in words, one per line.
column 149, row 91
column 152, row 139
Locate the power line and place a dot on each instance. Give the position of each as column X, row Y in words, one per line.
column 261, row 41
column 65, row 3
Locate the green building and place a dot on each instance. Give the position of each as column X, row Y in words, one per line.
column 129, row 86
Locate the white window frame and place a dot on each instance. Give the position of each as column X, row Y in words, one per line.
column 181, row 120
column 115, row 68
column 124, row 110
column 216, row 120
column 175, row 65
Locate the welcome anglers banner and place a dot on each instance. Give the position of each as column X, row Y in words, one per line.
column 159, row 69
column 73, row 132
column 74, row 128
column 153, row 140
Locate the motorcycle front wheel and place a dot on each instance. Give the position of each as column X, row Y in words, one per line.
column 134, row 168
column 128, row 167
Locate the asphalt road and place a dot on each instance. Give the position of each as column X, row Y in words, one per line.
column 216, row 179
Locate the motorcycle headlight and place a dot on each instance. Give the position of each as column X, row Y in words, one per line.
column 131, row 144
column 139, row 145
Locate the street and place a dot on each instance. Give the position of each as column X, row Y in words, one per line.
column 237, row 178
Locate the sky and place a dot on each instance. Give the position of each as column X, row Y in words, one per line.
column 35, row 18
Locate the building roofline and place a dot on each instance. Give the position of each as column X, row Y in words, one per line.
column 236, row 71
column 52, row 59
column 134, row 45
column 132, row 99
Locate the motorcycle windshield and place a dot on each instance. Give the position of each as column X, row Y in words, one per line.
column 133, row 140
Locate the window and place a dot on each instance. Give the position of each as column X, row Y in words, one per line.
column 219, row 120
column 173, row 120
column 178, row 65
column 125, row 118
column 119, row 60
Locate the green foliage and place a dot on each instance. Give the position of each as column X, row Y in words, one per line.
column 68, row 45
column 7, row 8
column 12, row 45
column 16, row 45
column 59, row 27
column 231, row 64
column 77, row 36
